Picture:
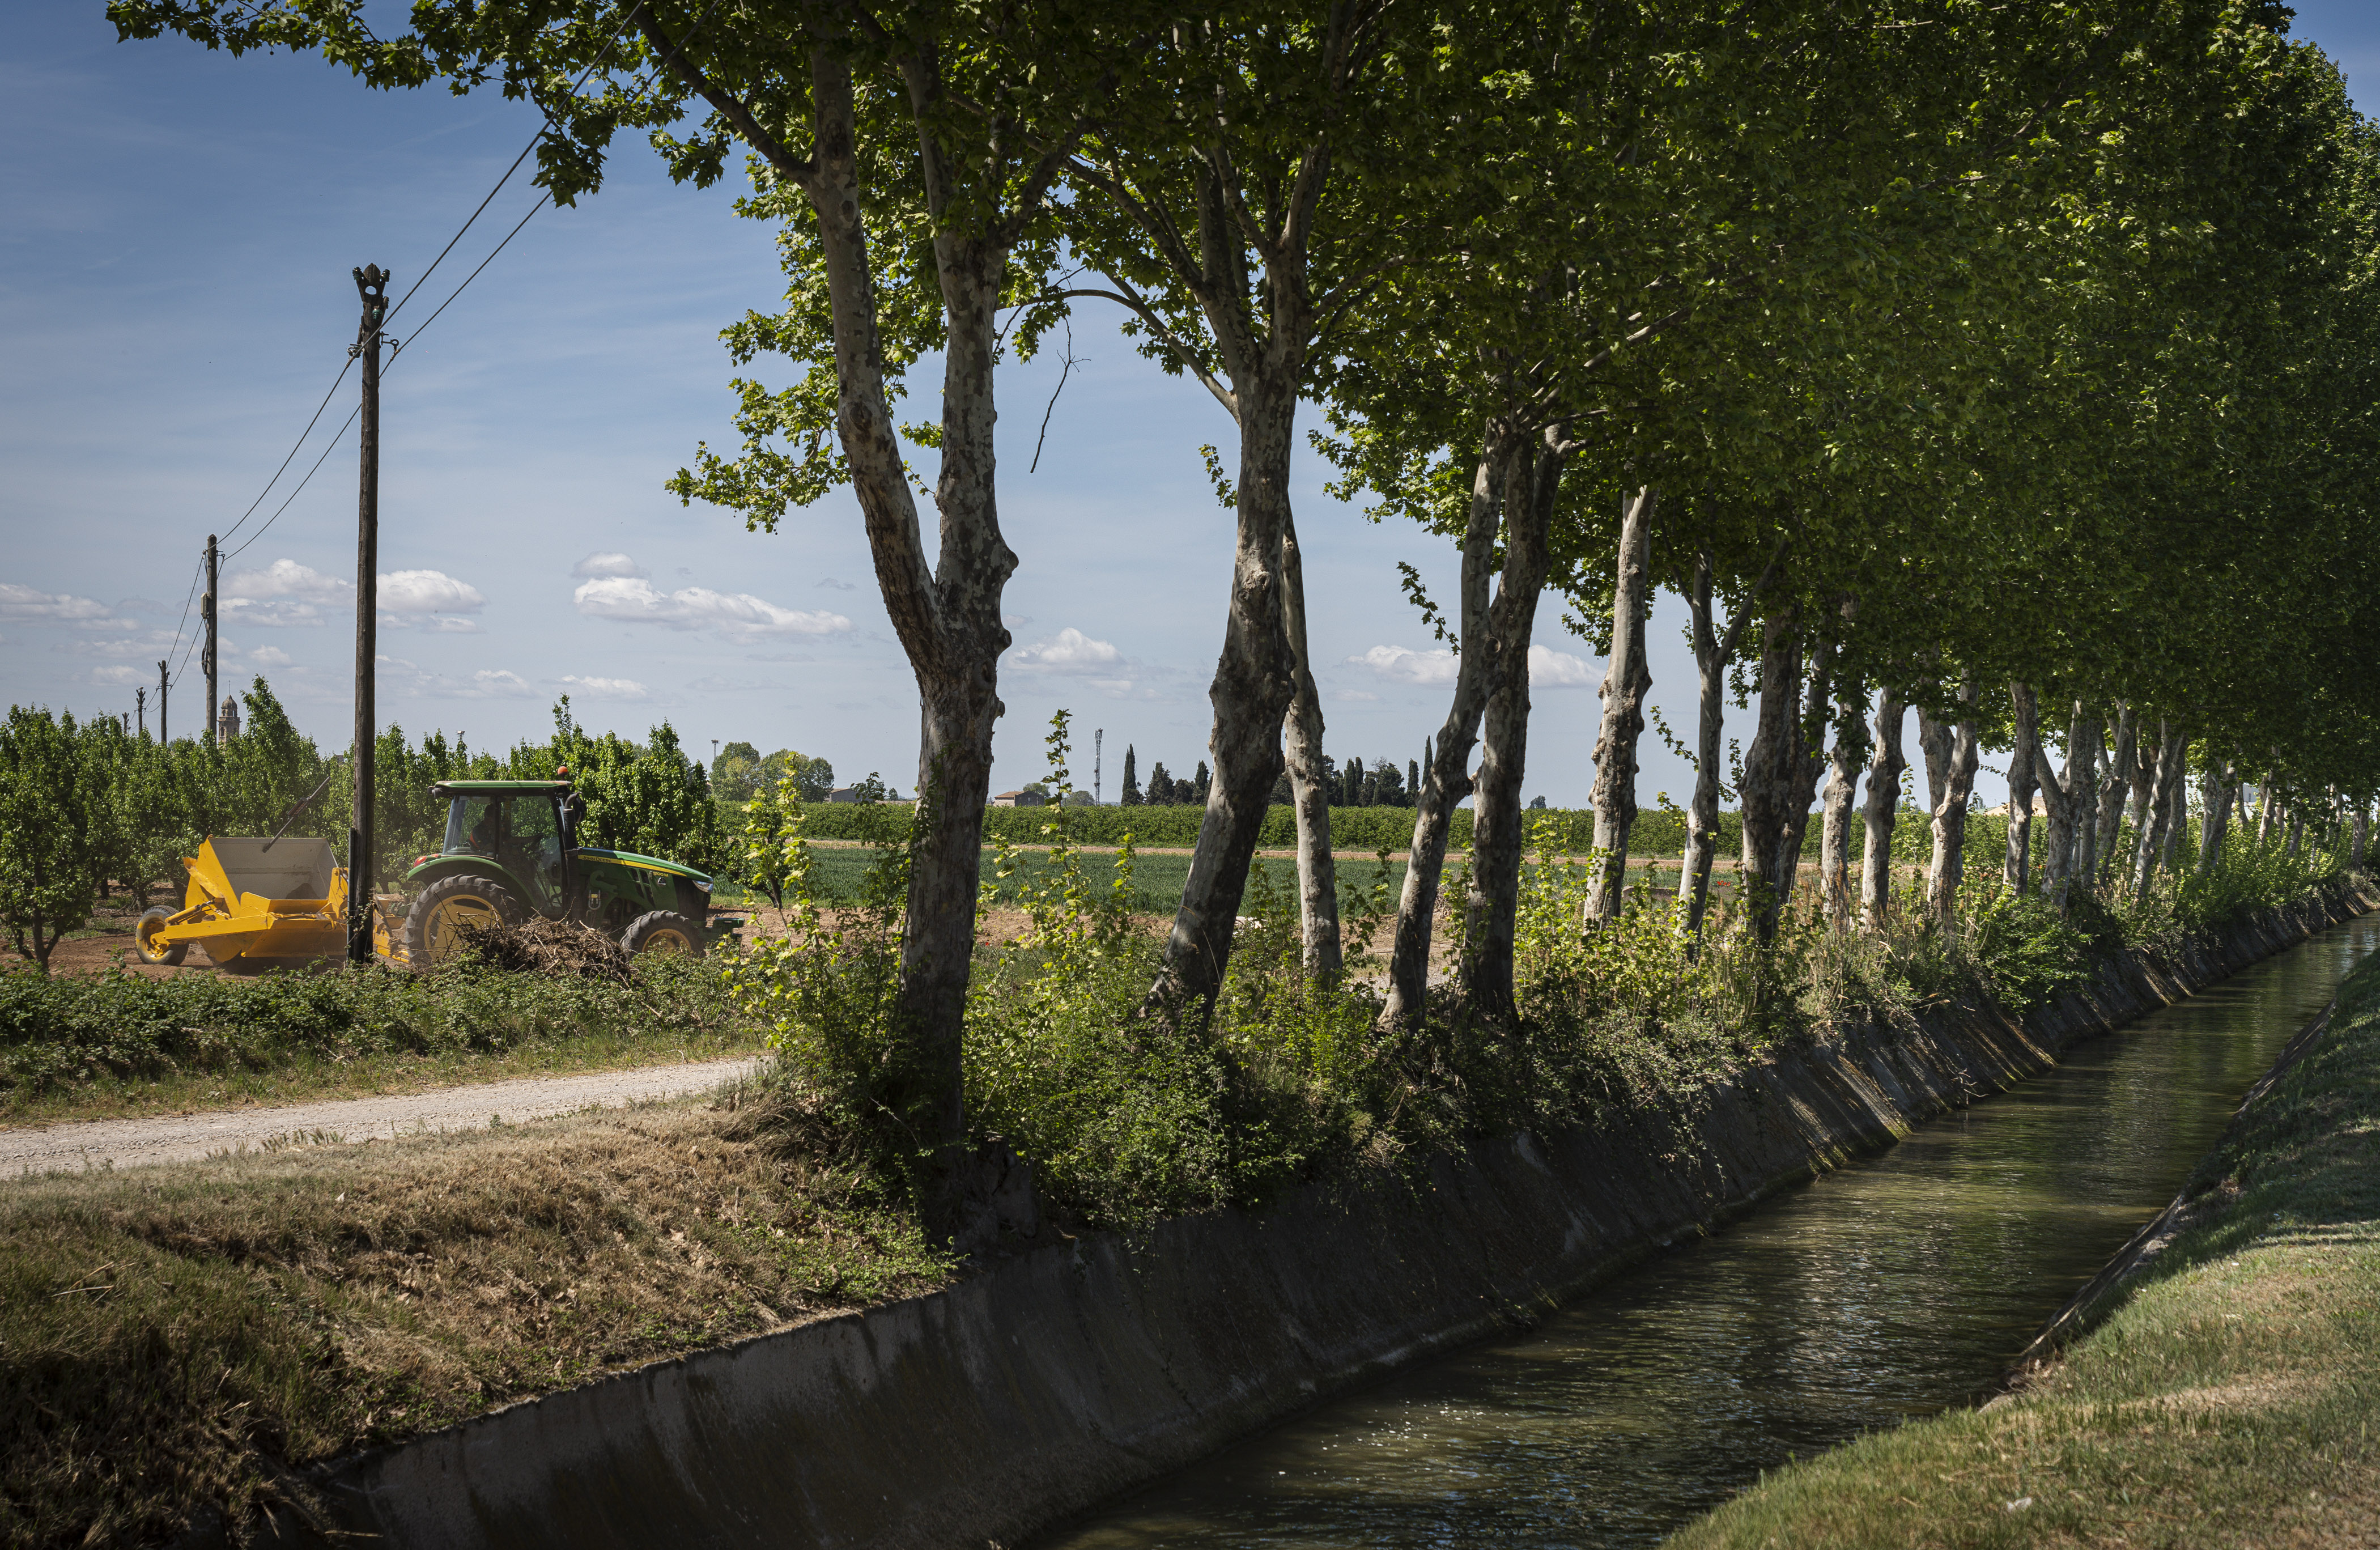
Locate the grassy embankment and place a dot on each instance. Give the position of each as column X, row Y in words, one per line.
column 2233, row 1398
column 89, row 1046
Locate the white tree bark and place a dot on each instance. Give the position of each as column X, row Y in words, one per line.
column 2164, row 774
column 2068, row 805
column 1714, row 653
column 1952, row 755
column 1625, row 682
column 2023, row 781
column 2113, row 787
column 1318, row 874
column 1882, row 811
column 1835, row 829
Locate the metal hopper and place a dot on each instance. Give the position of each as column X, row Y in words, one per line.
column 252, row 899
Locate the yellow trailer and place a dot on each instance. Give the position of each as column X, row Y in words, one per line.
column 253, row 899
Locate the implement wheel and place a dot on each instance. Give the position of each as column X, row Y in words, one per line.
column 433, row 928
column 144, row 939
column 662, row 931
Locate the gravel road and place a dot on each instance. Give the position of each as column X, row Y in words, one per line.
column 181, row 1138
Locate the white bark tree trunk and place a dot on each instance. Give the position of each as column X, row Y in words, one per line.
column 2164, row 774
column 1625, row 682
column 2024, row 783
column 1317, row 873
column 1952, row 755
column 2215, row 798
column 1835, row 829
column 1883, row 810
column 2112, row 790
column 2067, row 801
column 1714, row 653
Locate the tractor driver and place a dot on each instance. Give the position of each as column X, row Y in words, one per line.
column 489, row 830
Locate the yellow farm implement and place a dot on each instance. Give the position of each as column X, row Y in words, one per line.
column 253, row 900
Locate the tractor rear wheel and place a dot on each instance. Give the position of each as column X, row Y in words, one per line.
column 662, row 931
column 144, row 939
column 434, row 927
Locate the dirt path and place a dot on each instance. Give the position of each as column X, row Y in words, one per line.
column 182, row 1138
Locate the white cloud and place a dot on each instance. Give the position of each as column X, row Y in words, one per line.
column 1403, row 665
column 287, row 578
column 604, row 688
column 606, row 565
column 1070, row 652
column 1547, row 668
column 495, row 684
column 833, row 585
column 427, row 592
column 1553, row 669
column 269, row 656
column 118, row 676
column 739, row 616
column 26, row 604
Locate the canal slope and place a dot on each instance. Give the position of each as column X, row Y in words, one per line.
column 2227, row 1393
column 987, row 1411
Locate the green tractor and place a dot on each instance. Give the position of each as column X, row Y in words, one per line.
column 512, row 852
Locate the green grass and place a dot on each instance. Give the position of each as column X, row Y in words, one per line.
column 115, row 1044
column 2230, row 1401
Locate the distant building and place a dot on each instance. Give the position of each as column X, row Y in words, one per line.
column 227, row 720
column 844, row 794
column 1024, row 796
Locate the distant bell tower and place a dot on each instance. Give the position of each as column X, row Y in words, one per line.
column 227, row 721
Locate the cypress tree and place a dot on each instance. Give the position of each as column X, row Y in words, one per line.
column 1130, row 795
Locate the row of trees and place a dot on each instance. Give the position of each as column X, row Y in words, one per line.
column 88, row 808
column 1353, row 784
column 1952, row 360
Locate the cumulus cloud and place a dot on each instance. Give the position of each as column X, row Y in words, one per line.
column 495, row 684
column 269, row 656
column 118, row 676
column 604, row 688
column 1553, row 669
column 1405, row 665
column 1069, row 651
column 287, row 578
column 1547, row 668
column 739, row 616
column 28, row 606
column 606, row 564
column 427, row 592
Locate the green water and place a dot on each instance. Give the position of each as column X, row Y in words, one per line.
column 1899, row 1286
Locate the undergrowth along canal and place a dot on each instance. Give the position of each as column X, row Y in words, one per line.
column 1904, row 1283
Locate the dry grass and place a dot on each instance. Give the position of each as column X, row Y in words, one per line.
column 2234, row 1399
column 174, row 1338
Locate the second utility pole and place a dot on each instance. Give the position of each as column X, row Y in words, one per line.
column 372, row 285
column 213, row 728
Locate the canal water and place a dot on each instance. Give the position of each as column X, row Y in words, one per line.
column 1903, row 1284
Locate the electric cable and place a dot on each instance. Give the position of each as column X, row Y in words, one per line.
column 294, row 450
column 337, row 437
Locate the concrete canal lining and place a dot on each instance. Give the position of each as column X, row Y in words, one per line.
column 977, row 1415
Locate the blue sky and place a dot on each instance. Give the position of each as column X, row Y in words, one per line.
column 176, row 299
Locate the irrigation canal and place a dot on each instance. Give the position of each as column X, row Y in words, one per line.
column 1899, row 1286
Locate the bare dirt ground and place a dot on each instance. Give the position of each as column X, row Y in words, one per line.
column 36, row 1149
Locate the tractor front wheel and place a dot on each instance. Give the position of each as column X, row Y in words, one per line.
column 144, row 939
column 434, row 928
column 662, row 931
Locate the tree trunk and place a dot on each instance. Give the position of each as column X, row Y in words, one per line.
column 1950, row 758
column 2149, row 836
column 1769, row 777
column 1883, row 810
column 1255, row 678
column 2215, row 797
column 1317, row 873
column 1808, row 763
column 2083, row 755
column 2068, row 804
column 2177, row 818
column 2360, row 832
column 2112, row 790
column 1512, row 489
column 1497, row 841
column 1624, row 684
column 1714, row 651
column 2023, row 782
column 1835, row 830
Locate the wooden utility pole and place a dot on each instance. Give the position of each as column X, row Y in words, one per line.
column 213, row 728
column 371, row 286
column 163, row 683
column 141, row 708
column 1098, row 741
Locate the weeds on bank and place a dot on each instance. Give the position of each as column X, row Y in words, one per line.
column 175, row 1337
column 116, row 1042
column 1129, row 1118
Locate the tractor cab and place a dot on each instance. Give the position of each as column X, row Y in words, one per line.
column 526, row 827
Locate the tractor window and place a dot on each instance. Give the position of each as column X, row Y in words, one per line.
column 474, row 826
column 537, row 829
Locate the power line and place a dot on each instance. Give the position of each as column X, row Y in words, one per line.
column 474, row 274
column 293, row 451
column 336, row 438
